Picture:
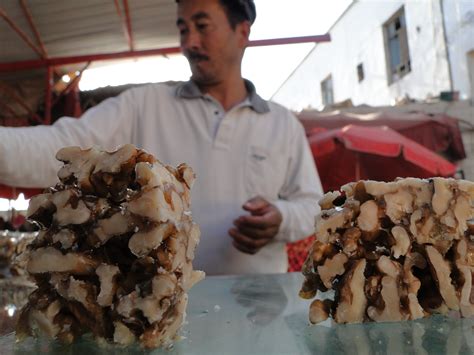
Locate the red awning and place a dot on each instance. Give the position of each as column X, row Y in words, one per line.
column 378, row 153
column 439, row 133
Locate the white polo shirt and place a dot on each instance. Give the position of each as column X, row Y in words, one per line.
column 255, row 148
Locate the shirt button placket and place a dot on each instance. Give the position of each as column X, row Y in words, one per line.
column 224, row 133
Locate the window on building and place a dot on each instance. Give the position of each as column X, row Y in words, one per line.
column 360, row 72
column 396, row 47
column 327, row 91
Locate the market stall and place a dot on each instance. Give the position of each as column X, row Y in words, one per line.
column 113, row 263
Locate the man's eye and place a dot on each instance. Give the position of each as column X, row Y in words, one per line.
column 202, row 26
column 183, row 31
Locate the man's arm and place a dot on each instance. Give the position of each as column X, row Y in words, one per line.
column 27, row 153
column 298, row 199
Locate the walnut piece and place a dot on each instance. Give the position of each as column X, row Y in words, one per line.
column 319, row 311
column 353, row 303
column 403, row 241
column 49, row 259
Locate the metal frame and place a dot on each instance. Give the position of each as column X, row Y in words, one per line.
column 41, row 51
column 48, row 95
column 393, row 77
column 7, row 108
column 291, row 40
column 29, row 18
column 71, row 84
column 123, row 13
column 7, row 90
column 34, row 64
column 52, row 62
column 126, row 22
column 22, row 34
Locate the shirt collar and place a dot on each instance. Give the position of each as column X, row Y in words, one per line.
column 189, row 90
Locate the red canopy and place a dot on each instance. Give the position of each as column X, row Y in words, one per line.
column 353, row 152
column 439, row 133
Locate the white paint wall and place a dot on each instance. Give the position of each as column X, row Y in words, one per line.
column 358, row 37
column 459, row 24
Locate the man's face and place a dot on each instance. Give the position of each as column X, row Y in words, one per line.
column 208, row 41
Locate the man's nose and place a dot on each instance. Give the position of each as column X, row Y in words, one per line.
column 192, row 41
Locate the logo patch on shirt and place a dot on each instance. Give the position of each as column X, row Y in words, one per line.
column 258, row 157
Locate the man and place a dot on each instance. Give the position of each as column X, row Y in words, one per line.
column 246, row 152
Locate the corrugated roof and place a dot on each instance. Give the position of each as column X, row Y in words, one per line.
column 70, row 28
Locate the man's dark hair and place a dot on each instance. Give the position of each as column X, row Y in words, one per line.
column 238, row 11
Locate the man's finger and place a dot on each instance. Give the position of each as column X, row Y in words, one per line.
column 246, row 241
column 256, row 223
column 243, row 248
column 260, row 222
column 255, row 204
column 256, row 233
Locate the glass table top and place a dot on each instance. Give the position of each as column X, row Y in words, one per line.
column 263, row 314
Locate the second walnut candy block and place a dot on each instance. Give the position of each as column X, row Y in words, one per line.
column 393, row 251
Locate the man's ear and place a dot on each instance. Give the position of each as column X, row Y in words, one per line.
column 243, row 29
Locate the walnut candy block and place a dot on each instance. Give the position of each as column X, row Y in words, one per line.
column 114, row 256
column 393, row 251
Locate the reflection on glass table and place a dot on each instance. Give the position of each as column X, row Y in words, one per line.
column 264, row 315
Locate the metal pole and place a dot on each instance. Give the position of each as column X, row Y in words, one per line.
column 71, row 84
column 48, row 95
column 29, row 18
column 446, row 46
column 357, row 166
column 290, row 40
column 31, row 64
column 127, row 30
column 22, row 34
column 128, row 22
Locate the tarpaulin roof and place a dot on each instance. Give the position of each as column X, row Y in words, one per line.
column 355, row 152
column 438, row 132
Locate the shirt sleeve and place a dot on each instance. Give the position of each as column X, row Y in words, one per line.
column 298, row 199
column 27, row 154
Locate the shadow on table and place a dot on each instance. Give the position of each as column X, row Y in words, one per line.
column 434, row 335
column 263, row 295
column 85, row 345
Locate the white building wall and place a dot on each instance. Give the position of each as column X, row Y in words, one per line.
column 357, row 37
column 459, row 24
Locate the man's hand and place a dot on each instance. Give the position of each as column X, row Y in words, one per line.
column 257, row 229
